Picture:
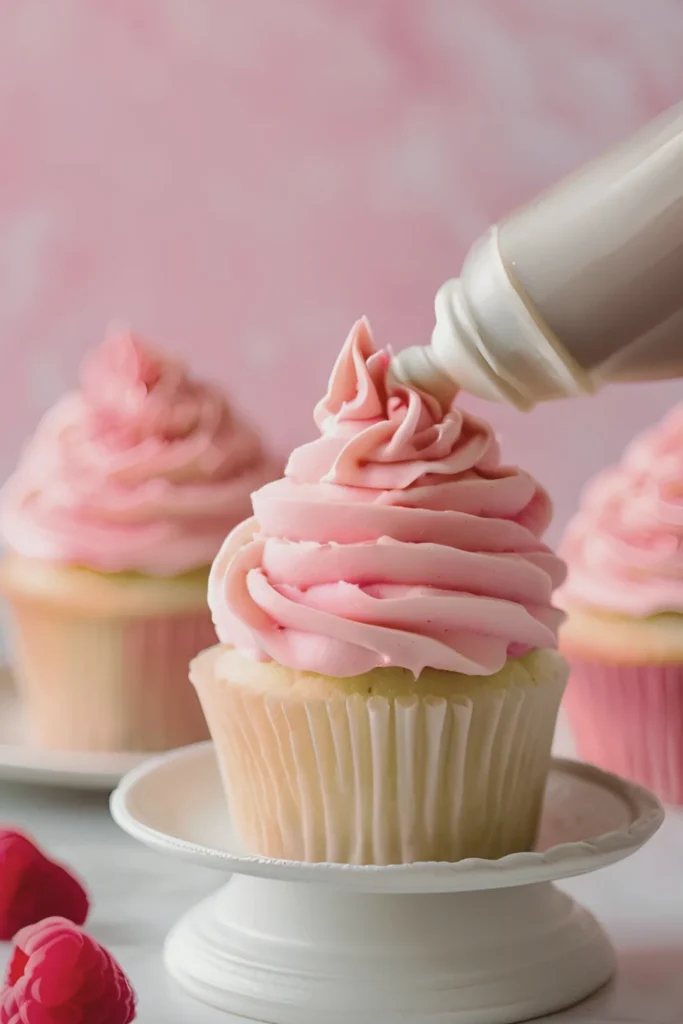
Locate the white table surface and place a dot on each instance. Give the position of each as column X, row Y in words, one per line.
column 137, row 896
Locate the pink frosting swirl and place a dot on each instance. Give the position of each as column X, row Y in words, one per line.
column 624, row 547
column 395, row 539
column 144, row 469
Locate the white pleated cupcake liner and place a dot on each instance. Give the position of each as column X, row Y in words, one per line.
column 384, row 781
column 108, row 684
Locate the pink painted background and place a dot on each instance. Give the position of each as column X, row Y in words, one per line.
column 242, row 180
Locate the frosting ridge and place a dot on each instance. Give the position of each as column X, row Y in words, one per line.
column 142, row 469
column 395, row 538
column 624, row 546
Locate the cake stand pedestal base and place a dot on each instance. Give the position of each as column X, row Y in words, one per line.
column 293, row 953
column 473, row 942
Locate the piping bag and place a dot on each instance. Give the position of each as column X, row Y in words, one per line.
column 580, row 288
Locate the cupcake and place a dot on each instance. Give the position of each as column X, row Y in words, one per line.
column 110, row 522
column 624, row 598
column 386, row 686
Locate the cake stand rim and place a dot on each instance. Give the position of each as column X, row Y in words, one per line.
column 564, row 860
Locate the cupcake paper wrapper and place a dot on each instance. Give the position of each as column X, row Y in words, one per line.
column 97, row 684
column 629, row 719
column 380, row 781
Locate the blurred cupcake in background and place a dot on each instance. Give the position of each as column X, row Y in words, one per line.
column 387, row 686
column 624, row 598
column 120, row 501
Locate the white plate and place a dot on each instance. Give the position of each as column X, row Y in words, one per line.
column 22, row 762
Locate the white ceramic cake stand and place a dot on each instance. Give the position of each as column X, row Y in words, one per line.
column 475, row 942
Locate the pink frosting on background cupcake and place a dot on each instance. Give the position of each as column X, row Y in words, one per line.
column 624, row 547
column 396, row 539
column 143, row 469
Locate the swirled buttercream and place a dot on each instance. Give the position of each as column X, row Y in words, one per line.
column 142, row 469
column 396, row 538
column 624, row 547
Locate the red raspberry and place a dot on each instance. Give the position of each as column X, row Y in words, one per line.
column 59, row 975
column 33, row 887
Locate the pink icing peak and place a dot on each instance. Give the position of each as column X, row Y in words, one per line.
column 126, row 357
column 134, row 391
column 143, row 469
column 624, row 546
column 395, row 538
column 357, row 388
